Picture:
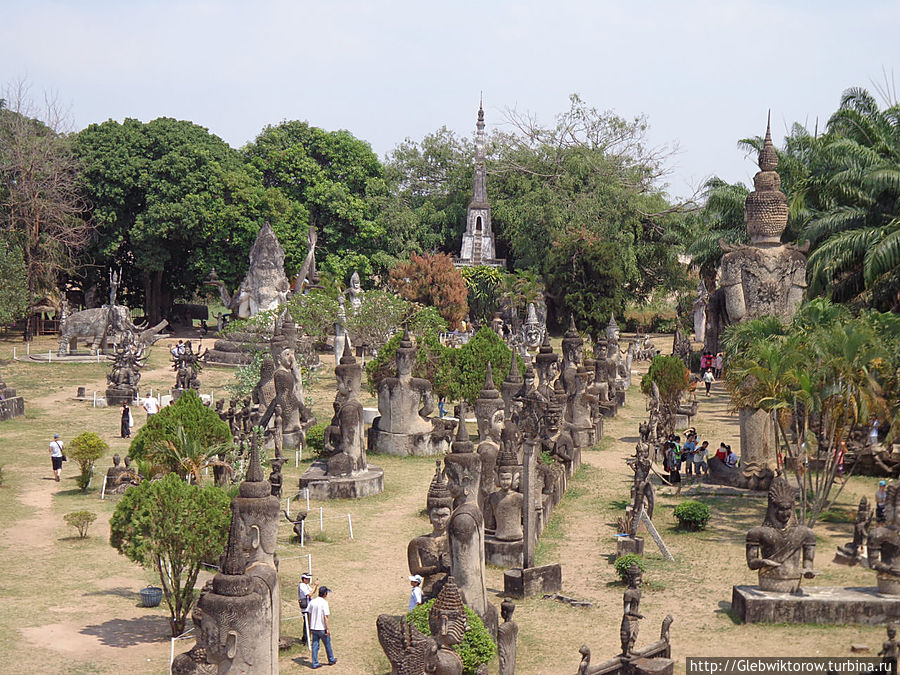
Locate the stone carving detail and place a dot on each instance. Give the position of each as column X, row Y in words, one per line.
column 701, row 302
column 429, row 554
column 187, row 365
column 344, row 438
column 851, row 552
column 507, row 638
column 125, row 376
column 781, row 549
column 883, row 545
column 533, row 330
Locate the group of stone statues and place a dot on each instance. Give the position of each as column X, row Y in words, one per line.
column 187, row 365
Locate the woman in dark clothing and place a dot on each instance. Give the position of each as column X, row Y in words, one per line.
column 126, row 420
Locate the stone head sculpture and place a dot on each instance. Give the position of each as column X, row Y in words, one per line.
column 440, row 501
column 507, row 607
column 634, row 576
column 508, row 469
column 348, row 372
column 572, row 345
column 780, row 511
column 258, row 512
column 765, row 210
column 116, row 459
column 406, row 355
column 447, row 618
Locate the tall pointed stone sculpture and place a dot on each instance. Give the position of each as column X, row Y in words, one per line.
column 758, row 279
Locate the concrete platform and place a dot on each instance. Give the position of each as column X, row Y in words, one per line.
column 11, row 407
column 369, row 482
column 418, row 445
column 502, row 553
column 525, row 583
column 817, row 604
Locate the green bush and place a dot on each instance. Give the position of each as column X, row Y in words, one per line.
column 476, row 648
column 81, row 521
column 315, row 438
column 622, row 564
column 86, row 448
column 692, row 515
column 198, row 421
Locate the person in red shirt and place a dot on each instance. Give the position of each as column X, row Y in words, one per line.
column 722, row 452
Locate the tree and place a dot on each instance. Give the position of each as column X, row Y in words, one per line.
column 721, row 218
column 199, row 423
column 172, row 527
column 185, row 453
column 86, row 448
column 819, row 377
column 669, row 374
column 432, row 280
column 171, row 201
column 483, row 284
column 40, row 203
column 14, row 298
column 338, row 180
column 378, row 318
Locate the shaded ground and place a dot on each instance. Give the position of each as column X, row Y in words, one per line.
column 72, row 606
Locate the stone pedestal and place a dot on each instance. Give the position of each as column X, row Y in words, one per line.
column 626, row 545
column 238, row 348
column 817, row 604
column 419, row 445
column 502, row 553
column 116, row 396
column 524, row 583
column 657, row 666
column 11, row 406
column 321, row 486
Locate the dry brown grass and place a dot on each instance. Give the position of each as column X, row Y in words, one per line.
column 71, row 606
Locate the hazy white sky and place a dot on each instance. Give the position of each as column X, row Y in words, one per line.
column 704, row 72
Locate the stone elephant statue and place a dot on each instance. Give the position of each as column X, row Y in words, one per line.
column 101, row 326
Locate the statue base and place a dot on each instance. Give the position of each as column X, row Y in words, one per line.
column 815, row 604
column 842, row 558
column 530, row 581
column 10, row 407
column 119, row 395
column 502, row 553
column 629, row 544
column 321, row 486
column 418, row 445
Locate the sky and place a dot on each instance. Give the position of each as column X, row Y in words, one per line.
column 704, row 73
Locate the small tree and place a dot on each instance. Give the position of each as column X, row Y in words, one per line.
column 86, row 448
column 198, row 421
column 470, row 364
column 81, row 521
column 185, row 454
column 672, row 378
column 172, row 527
column 476, row 647
column 432, row 280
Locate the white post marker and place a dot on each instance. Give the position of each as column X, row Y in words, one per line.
column 296, row 459
column 28, row 349
column 321, row 520
column 307, row 499
column 14, row 352
column 48, row 356
column 350, row 523
column 309, row 560
column 94, row 403
column 103, row 489
column 288, row 510
column 302, row 531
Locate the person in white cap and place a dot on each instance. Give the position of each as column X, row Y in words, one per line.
column 304, row 595
column 415, row 598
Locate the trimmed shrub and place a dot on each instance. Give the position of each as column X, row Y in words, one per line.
column 476, row 647
column 622, row 564
column 315, row 437
column 81, row 521
column 692, row 515
column 199, row 422
column 86, row 448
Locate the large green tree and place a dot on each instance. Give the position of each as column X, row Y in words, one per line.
column 171, row 201
column 172, row 527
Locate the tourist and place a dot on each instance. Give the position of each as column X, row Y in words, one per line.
column 731, row 459
column 708, row 379
column 700, row 459
column 673, row 465
column 304, row 597
column 873, row 434
column 706, row 361
column 687, row 454
column 415, row 598
column 318, row 626
column 880, row 501
column 722, row 452
column 442, row 402
column 127, row 421
column 56, row 456
column 719, row 363
column 151, row 406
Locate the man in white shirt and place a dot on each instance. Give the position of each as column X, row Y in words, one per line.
column 415, row 598
column 151, row 406
column 56, row 456
column 304, row 597
column 318, row 626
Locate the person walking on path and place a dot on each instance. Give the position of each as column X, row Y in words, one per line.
column 415, row 598
column 127, row 422
column 708, row 378
column 318, row 626
column 719, row 362
column 304, row 597
column 56, row 456
column 151, row 406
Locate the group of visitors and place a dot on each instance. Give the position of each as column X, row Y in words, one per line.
column 315, row 617
column 692, row 456
column 708, row 361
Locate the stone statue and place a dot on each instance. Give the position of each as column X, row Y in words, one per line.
column 429, row 555
column 222, row 471
column 188, row 364
column 507, row 638
column 505, row 504
column 642, row 490
column 288, row 380
column 264, row 391
column 573, row 356
column 701, row 302
column 850, row 552
column 781, row 549
column 276, row 480
column 355, row 292
column 101, row 326
column 579, row 410
column 194, row 661
column 883, row 545
column 123, row 380
column 497, row 325
column 113, row 472
column 463, row 460
column 631, row 615
column 349, row 451
column 487, row 403
column 890, row 649
column 403, row 426
column 448, row 623
column 488, row 450
column 533, row 329
column 265, row 287
column 236, row 614
column 466, row 532
column 511, row 386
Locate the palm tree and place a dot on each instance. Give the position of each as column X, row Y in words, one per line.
column 185, row 453
column 720, row 219
column 856, row 236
